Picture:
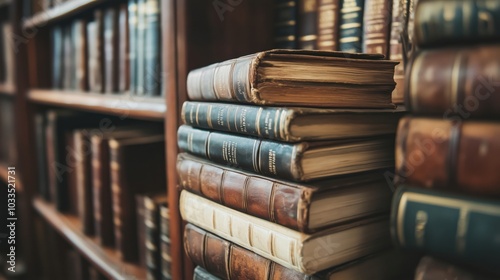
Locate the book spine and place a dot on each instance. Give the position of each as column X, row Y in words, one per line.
column 133, row 42
column 70, row 163
column 141, row 229
column 285, row 24
column 99, row 72
column 376, row 26
column 262, row 122
column 81, row 55
column 456, row 21
column 165, row 241
column 226, row 81
column 437, row 153
column 351, row 26
column 328, row 25
column 140, row 47
column 308, row 24
column 399, row 16
column 103, row 211
column 465, row 87
column 84, row 181
column 51, row 156
column 152, row 46
column 57, row 48
column 68, row 58
column 41, row 149
column 124, row 49
column 255, row 196
column 111, row 51
column 265, row 157
column 201, row 274
column 229, row 261
column 459, row 227
column 152, row 237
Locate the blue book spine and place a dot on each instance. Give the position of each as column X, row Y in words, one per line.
column 152, row 56
column 351, row 26
column 285, row 24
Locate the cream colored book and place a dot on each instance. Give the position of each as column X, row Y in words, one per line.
column 307, row 253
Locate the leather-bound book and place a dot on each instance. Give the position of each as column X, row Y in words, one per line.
column 398, row 23
column 285, row 24
column 290, row 124
column 152, row 48
column 458, row 227
column 308, row 24
column 96, row 53
column 83, row 172
column 141, row 48
column 41, row 155
column 57, row 57
column 288, row 247
column 449, row 155
column 464, row 84
column 377, row 26
column 278, row 77
column 128, row 158
column 81, row 54
column 141, row 230
column 456, row 21
column 111, row 50
column 71, row 166
column 68, row 58
column 301, row 161
column 430, row 268
column 133, row 44
column 351, row 26
column 225, row 260
column 152, row 204
column 124, row 49
column 302, row 207
column 328, row 25
column 166, row 257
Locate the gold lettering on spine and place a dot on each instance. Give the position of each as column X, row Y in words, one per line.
column 420, row 224
column 209, row 116
column 309, row 6
column 463, row 224
column 258, row 121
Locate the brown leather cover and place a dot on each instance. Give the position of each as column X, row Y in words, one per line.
column 111, row 50
column 443, row 154
column 141, row 230
column 399, row 16
column 328, row 25
column 455, row 83
column 81, row 55
column 124, row 48
column 83, row 172
column 430, row 268
column 376, row 26
column 70, row 163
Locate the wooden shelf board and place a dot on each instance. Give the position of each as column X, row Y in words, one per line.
column 151, row 108
column 61, row 11
column 106, row 260
column 8, row 90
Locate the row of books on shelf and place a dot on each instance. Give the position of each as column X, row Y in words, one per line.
column 117, row 50
column 6, row 54
column 111, row 175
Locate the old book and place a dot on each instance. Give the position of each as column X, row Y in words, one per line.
column 430, row 268
column 284, row 246
column 456, row 21
column 141, row 230
column 140, row 48
column 80, row 54
column 201, row 274
column 95, row 32
column 133, row 43
column 68, row 58
column 290, row 124
column 285, row 24
column 351, row 26
column 302, row 207
column 448, row 225
column 465, row 87
column 301, row 161
column 77, row 267
column 229, row 261
column 152, row 204
column 449, row 155
column 83, row 171
column 71, row 164
column 398, row 23
column 127, row 158
column 41, row 155
column 376, row 26
column 328, row 25
column 279, row 77
column 111, row 50
column 124, row 49
column 166, row 258
column 152, row 49
column 57, row 57
column 308, row 24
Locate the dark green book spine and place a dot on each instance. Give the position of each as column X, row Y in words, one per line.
column 152, row 78
column 351, row 25
column 57, row 54
column 285, row 24
column 455, row 226
column 261, row 156
column 445, row 22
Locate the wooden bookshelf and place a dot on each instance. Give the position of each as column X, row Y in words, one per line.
column 8, row 90
column 106, row 260
column 61, row 11
column 149, row 108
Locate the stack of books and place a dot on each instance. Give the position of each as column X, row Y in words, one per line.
column 278, row 192
column 447, row 203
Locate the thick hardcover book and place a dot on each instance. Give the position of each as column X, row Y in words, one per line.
column 69, row 72
column 285, row 24
column 57, row 57
column 456, row 21
column 111, row 50
column 308, row 24
column 41, row 151
column 292, row 249
column 430, row 268
column 140, row 50
column 83, row 170
column 141, row 230
column 301, row 161
column 71, row 166
column 351, row 26
column 449, row 155
column 229, row 261
column 127, row 158
column 377, row 26
column 166, row 258
column 466, row 83
column 328, row 25
column 152, row 49
column 290, row 124
column 95, row 32
column 282, row 77
column 302, row 207
column 81, row 54
column 398, row 23
column 454, row 226
column 152, row 203
column 124, row 49
column 133, row 43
